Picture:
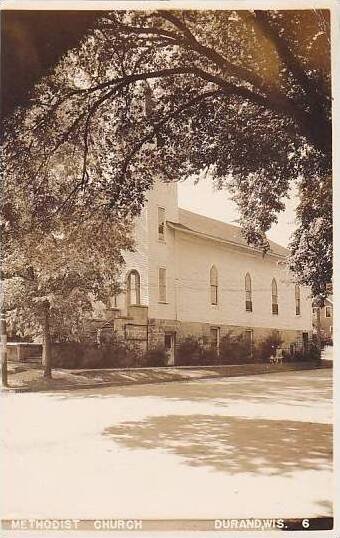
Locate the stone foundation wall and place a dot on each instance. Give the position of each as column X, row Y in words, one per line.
column 158, row 327
column 148, row 333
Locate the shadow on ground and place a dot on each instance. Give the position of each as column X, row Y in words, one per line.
column 326, row 507
column 232, row 445
column 293, row 388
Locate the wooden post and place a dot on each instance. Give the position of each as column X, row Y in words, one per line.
column 3, row 332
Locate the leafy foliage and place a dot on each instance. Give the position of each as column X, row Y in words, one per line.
column 155, row 357
column 243, row 95
column 312, row 243
column 189, row 352
column 60, row 269
column 268, row 346
column 234, row 349
column 117, row 354
column 209, row 357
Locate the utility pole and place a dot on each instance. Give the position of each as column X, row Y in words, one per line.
column 3, row 333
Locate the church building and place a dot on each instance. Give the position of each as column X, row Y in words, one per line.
column 195, row 276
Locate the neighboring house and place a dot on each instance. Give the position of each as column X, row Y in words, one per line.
column 326, row 320
column 193, row 275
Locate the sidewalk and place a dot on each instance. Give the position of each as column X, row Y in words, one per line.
column 22, row 378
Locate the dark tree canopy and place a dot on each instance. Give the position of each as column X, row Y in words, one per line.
column 31, row 43
column 244, row 95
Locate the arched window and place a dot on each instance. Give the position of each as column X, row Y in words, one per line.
column 297, row 300
column 133, row 288
column 213, row 285
column 247, row 285
column 275, row 304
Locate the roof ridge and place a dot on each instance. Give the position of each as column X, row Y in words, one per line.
column 209, row 218
column 272, row 243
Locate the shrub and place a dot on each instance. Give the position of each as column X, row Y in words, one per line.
column 70, row 354
column 189, row 352
column 298, row 355
column 117, row 354
column 120, row 354
column 209, row 356
column 155, row 357
column 234, row 349
column 314, row 352
column 267, row 347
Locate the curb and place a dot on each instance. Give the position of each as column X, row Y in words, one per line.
column 27, row 389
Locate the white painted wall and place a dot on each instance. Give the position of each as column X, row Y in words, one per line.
column 152, row 253
column 139, row 260
column 196, row 256
column 188, row 260
column 162, row 253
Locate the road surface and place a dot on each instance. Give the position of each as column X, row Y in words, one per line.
column 256, row 446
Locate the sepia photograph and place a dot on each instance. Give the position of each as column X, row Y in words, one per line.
column 167, row 268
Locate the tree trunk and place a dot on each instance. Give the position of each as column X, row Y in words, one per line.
column 3, row 332
column 46, row 352
column 318, row 327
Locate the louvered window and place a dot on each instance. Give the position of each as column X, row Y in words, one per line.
column 161, row 223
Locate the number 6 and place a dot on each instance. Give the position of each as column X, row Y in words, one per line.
column 305, row 523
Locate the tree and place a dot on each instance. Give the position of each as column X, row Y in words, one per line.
column 244, row 95
column 54, row 276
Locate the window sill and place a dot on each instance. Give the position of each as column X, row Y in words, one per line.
column 163, row 302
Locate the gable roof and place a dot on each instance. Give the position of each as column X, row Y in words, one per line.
column 328, row 302
column 215, row 229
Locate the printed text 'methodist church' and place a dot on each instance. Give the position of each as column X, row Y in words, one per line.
column 195, row 276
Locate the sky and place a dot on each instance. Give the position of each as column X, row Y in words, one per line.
column 202, row 198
